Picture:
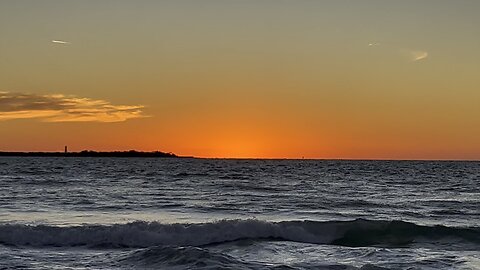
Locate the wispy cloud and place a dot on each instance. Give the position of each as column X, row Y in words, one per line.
column 60, row 42
column 413, row 55
column 417, row 55
column 61, row 108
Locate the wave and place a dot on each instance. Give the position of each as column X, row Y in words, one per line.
column 165, row 257
column 142, row 234
column 187, row 257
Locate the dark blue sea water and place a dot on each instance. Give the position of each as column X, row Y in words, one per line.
column 161, row 213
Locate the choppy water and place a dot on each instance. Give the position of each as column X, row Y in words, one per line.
column 154, row 213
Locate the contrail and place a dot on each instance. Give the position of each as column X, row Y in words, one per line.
column 419, row 55
column 60, row 42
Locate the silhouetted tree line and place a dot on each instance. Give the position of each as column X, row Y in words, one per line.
column 88, row 153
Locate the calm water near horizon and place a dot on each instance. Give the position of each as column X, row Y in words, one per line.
column 182, row 213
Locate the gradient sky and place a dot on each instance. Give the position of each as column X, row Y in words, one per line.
column 243, row 78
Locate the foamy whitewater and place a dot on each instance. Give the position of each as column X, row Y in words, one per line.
column 175, row 213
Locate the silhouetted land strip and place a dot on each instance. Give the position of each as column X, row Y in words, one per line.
column 85, row 153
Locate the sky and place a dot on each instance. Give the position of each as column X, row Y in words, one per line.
column 358, row 79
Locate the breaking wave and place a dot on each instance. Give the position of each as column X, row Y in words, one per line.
column 142, row 234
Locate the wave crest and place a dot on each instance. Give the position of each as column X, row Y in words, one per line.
column 142, row 234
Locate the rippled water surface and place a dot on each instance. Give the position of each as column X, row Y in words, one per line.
column 170, row 213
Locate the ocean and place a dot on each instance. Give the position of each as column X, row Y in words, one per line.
column 185, row 213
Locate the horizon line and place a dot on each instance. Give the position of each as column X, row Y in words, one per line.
column 38, row 153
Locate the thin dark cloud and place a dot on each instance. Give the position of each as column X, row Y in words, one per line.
column 61, row 108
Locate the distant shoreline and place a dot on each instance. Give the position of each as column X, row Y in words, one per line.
column 87, row 153
column 158, row 154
